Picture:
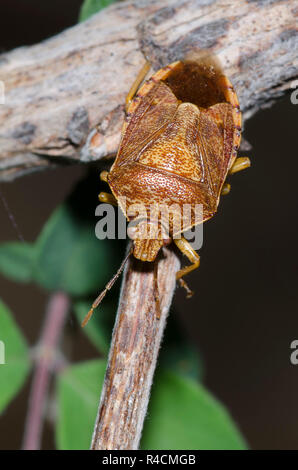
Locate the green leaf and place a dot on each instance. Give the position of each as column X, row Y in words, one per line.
column 78, row 395
column 183, row 415
column 99, row 328
column 17, row 261
column 90, row 7
column 70, row 257
column 17, row 364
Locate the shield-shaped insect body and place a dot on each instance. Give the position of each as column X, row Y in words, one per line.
column 179, row 142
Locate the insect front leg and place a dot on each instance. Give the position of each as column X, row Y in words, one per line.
column 140, row 77
column 104, row 176
column 108, row 198
column 193, row 257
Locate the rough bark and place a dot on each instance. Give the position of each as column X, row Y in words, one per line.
column 56, row 92
column 136, row 340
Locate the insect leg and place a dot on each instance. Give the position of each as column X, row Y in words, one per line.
column 240, row 164
column 193, row 257
column 140, row 77
column 104, row 176
column 107, row 198
column 225, row 189
column 156, row 290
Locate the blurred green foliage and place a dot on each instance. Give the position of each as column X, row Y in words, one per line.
column 67, row 256
column 16, row 356
column 181, row 414
column 90, row 7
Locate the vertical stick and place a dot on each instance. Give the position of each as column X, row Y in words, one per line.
column 135, row 344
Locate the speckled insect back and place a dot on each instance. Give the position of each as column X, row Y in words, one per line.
column 179, row 141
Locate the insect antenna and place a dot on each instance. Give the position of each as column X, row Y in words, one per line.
column 156, row 291
column 109, row 285
column 11, row 217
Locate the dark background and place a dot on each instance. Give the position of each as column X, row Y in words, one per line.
column 244, row 314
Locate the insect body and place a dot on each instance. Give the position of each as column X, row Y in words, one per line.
column 179, row 142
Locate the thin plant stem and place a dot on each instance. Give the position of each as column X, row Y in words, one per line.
column 46, row 357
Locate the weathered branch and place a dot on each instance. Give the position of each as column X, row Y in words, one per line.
column 59, row 90
column 136, row 340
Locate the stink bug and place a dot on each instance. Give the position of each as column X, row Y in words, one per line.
column 179, row 142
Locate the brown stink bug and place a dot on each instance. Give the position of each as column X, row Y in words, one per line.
column 179, row 142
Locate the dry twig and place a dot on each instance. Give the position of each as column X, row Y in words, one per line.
column 136, row 340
